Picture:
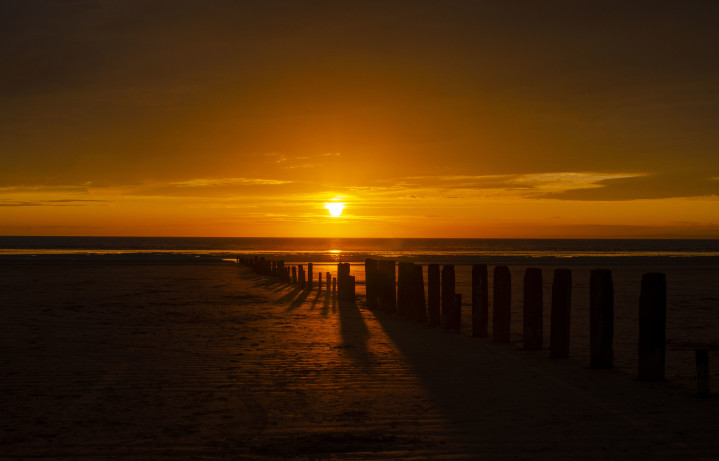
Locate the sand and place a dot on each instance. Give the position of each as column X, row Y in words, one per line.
column 210, row 361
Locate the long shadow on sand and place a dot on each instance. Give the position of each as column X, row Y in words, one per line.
column 504, row 401
column 354, row 334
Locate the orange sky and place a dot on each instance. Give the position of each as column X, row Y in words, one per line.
column 427, row 119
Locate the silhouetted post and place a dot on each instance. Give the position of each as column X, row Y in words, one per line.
column 343, row 273
column 561, row 314
column 334, row 285
column 533, row 310
column 294, row 274
column 371, row 283
column 502, row 313
column 309, row 276
column 702, row 359
column 652, row 327
column 447, row 295
column 455, row 317
column 601, row 319
column 302, row 275
column 319, row 281
column 418, row 301
column 388, row 298
column 281, row 270
column 329, row 282
column 433, row 294
column 405, row 274
column 480, row 301
column 350, row 288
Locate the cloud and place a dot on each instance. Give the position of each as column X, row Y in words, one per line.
column 214, row 182
column 654, row 186
column 522, row 186
column 59, row 202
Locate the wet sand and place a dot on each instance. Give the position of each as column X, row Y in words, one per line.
column 210, row 361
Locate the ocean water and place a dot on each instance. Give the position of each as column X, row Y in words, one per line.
column 459, row 251
column 691, row 268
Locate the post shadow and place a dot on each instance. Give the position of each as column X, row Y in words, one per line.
column 354, row 334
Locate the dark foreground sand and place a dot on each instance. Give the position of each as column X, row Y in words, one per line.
column 209, row 361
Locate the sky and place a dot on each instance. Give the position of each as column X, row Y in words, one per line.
column 546, row 119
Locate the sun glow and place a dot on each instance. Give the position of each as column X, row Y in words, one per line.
column 335, row 208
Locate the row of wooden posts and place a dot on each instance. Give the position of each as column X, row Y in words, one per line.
column 443, row 306
column 399, row 289
column 343, row 285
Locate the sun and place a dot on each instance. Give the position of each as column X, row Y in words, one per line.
column 335, row 208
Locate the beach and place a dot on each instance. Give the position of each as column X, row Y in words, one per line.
column 108, row 358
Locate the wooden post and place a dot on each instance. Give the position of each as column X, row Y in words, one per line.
column 433, row 295
column 294, row 274
column 447, row 295
column 533, row 310
column 420, row 306
column 388, row 300
column 502, row 311
column 371, row 283
column 310, row 280
column 350, row 288
column 601, row 319
column 319, row 281
column 652, row 327
column 561, row 314
column 405, row 274
column 329, row 282
column 343, row 273
column 480, row 301
column 702, row 359
column 302, row 276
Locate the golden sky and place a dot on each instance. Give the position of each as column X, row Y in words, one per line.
column 425, row 118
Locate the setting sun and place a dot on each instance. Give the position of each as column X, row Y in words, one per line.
column 335, row 209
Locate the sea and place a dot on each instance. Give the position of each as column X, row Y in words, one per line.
column 458, row 251
column 691, row 268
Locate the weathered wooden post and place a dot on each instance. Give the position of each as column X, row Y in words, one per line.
column 343, row 273
column 388, row 299
column 350, row 288
column 433, row 294
column 310, row 280
column 281, row 270
column 702, row 359
column 371, row 282
column 319, row 281
column 447, row 295
column 420, row 307
column 561, row 314
column 601, row 319
column 502, row 311
column 652, row 327
column 302, row 276
column 480, row 301
column 533, row 310
column 294, row 274
column 329, row 282
column 405, row 274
